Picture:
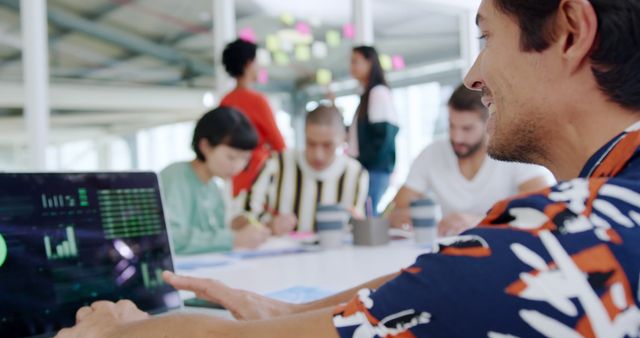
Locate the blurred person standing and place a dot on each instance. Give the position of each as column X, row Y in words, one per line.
column 239, row 59
column 375, row 124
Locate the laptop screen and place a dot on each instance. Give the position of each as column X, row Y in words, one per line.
column 67, row 240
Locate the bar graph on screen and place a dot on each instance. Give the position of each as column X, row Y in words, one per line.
column 64, row 249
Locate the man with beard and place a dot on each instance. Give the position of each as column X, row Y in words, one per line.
column 460, row 175
column 560, row 79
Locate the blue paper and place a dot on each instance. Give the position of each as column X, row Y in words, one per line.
column 300, row 294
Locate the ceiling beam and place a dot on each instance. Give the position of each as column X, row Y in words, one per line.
column 61, row 33
column 67, row 96
column 119, row 37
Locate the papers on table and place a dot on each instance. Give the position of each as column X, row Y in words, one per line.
column 300, row 294
column 274, row 246
column 201, row 261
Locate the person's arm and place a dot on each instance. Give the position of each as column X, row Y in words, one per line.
column 363, row 192
column 531, row 178
column 189, row 237
column 247, row 305
column 270, row 128
column 346, row 295
column 400, row 215
column 534, row 184
column 383, row 124
column 413, row 189
column 261, row 206
column 257, row 194
column 455, row 223
column 124, row 320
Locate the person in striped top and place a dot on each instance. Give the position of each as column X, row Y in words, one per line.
column 293, row 183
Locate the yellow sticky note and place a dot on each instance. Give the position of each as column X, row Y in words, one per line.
column 385, row 62
column 273, row 43
column 303, row 53
column 324, row 76
column 281, row 58
column 333, row 38
column 287, row 19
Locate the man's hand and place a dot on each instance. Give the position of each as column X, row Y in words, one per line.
column 455, row 223
column 244, row 305
column 400, row 218
column 283, row 224
column 102, row 319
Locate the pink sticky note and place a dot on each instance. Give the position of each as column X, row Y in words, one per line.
column 348, row 31
column 263, row 76
column 248, row 34
column 303, row 28
column 398, row 62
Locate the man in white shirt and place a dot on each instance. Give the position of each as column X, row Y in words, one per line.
column 459, row 174
column 293, row 183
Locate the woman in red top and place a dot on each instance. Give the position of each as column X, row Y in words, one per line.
column 239, row 61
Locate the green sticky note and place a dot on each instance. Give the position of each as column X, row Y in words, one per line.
column 385, row 62
column 273, row 43
column 333, row 38
column 303, row 53
column 324, row 77
column 281, row 58
column 287, row 19
column 3, row 250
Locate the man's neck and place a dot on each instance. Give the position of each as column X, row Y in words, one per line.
column 203, row 173
column 469, row 166
column 583, row 135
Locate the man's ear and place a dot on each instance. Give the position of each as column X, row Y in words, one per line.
column 576, row 29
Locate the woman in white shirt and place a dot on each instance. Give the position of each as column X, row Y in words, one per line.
column 373, row 131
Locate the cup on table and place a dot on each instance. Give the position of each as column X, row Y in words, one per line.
column 331, row 221
column 425, row 214
column 371, row 231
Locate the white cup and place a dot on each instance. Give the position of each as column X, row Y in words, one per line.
column 330, row 225
column 425, row 214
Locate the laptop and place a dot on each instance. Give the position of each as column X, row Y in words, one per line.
column 69, row 239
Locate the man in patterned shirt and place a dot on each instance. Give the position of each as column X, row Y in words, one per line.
column 561, row 80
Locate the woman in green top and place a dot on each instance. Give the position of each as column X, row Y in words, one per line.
column 196, row 193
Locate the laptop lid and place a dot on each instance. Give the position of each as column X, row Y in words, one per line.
column 67, row 240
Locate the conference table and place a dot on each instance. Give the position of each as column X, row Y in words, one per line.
column 284, row 265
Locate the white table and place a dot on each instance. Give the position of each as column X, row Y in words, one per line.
column 331, row 270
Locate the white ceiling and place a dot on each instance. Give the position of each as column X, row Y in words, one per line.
column 423, row 31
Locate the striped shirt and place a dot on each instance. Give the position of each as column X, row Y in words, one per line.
column 289, row 185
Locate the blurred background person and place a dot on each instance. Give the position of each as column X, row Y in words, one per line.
column 197, row 193
column 239, row 59
column 459, row 174
column 294, row 182
column 375, row 125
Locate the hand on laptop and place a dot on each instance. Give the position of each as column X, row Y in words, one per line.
column 102, row 318
column 243, row 305
column 283, row 224
column 250, row 237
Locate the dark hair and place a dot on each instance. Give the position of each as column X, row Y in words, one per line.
column 376, row 77
column 227, row 126
column 616, row 53
column 464, row 99
column 326, row 116
column 237, row 55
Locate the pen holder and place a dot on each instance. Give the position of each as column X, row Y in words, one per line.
column 371, row 232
